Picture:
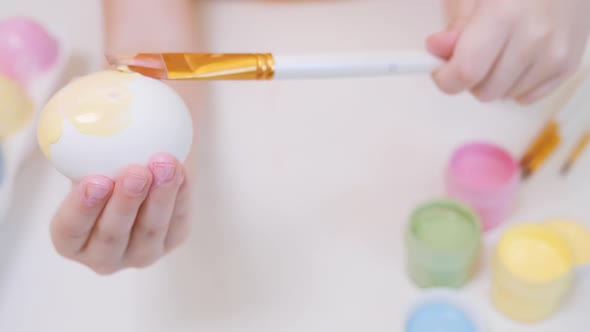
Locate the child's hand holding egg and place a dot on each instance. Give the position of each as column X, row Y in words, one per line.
column 122, row 138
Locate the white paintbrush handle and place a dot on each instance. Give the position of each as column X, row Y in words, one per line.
column 352, row 65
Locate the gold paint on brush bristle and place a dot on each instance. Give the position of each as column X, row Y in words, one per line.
column 196, row 66
column 578, row 150
column 543, row 146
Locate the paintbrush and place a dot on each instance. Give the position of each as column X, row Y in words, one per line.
column 576, row 152
column 561, row 127
column 268, row 66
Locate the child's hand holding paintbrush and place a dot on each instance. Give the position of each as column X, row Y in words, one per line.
column 520, row 50
column 510, row 49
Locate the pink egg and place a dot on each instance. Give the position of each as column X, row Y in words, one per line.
column 26, row 49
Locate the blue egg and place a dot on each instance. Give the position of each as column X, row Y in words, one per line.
column 439, row 317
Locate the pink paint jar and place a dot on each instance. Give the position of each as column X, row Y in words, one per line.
column 486, row 177
column 26, row 49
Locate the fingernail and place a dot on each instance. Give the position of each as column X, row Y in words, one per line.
column 163, row 173
column 94, row 193
column 135, row 184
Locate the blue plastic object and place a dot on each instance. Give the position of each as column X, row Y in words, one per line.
column 439, row 317
column 1, row 166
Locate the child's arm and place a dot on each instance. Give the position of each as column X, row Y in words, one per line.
column 136, row 219
column 513, row 49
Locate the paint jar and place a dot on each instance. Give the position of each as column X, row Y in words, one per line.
column 16, row 108
column 440, row 316
column 1, row 166
column 485, row 177
column 442, row 311
column 577, row 237
column 532, row 272
column 26, row 49
column 443, row 239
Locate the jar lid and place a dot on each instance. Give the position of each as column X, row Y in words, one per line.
column 534, row 253
column 443, row 231
column 577, row 237
column 440, row 315
column 483, row 170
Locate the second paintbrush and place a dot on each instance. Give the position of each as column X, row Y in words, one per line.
column 267, row 66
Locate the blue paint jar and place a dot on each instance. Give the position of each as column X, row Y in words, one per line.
column 1, row 166
column 439, row 316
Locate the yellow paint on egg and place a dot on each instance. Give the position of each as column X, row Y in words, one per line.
column 96, row 104
column 576, row 236
column 16, row 108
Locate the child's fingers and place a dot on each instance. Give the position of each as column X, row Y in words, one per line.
column 180, row 224
column 110, row 236
column 554, row 62
column 74, row 220
column 539, row 92
column 146, row 244
column 442, row 44
column 478, row 47
column 520, row 52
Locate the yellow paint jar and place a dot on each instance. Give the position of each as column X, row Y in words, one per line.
column 533, row 271
column 577, row 237
column 16, row 108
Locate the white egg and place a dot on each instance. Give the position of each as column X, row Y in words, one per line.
column 100, row 123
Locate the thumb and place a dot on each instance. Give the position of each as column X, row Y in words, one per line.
column 442, row 44
column 457, row 13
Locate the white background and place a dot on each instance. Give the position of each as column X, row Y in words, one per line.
column 303, row 189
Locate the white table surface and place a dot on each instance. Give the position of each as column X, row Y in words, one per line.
column 304, row 188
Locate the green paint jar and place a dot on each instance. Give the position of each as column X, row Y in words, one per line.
column 443, row 239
